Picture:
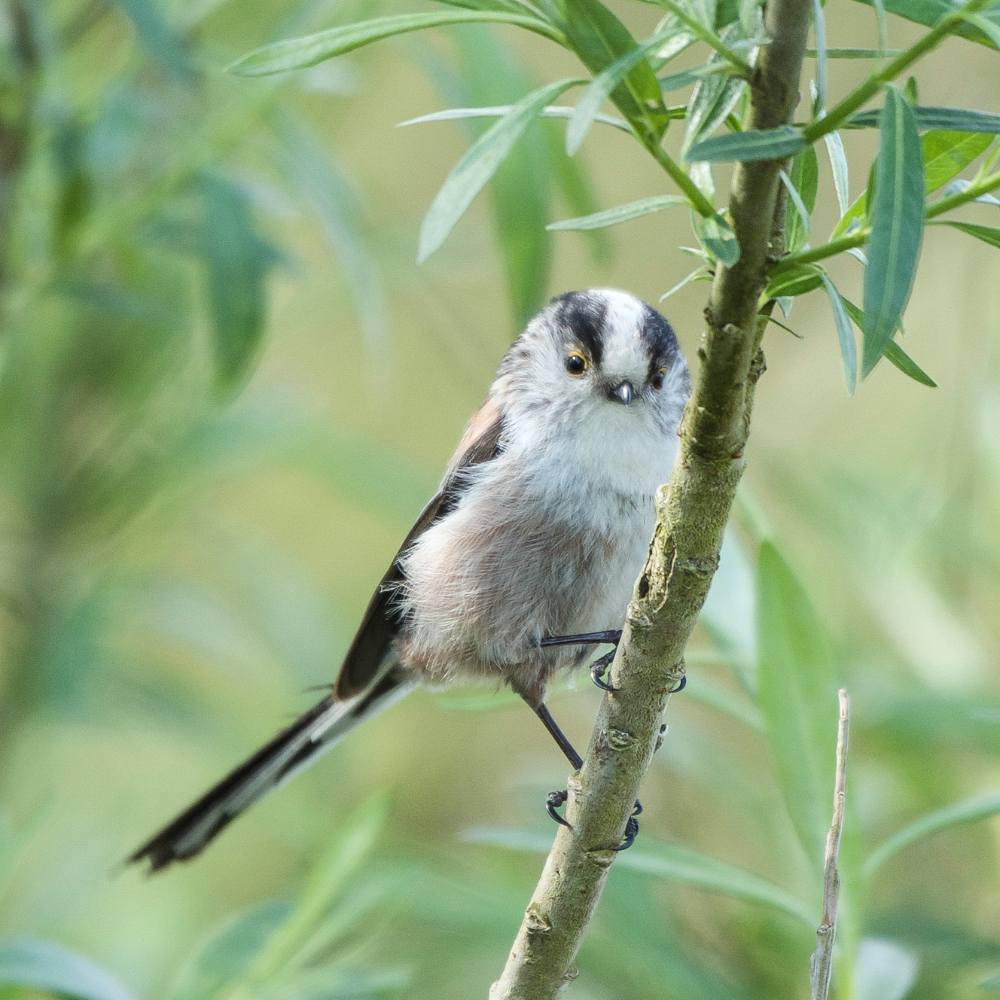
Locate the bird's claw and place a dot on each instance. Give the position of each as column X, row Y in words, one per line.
column 556, row 799
column 552, row 803
column 631, row 828
column 681, row 684
column 597, row 669
column 631, row 832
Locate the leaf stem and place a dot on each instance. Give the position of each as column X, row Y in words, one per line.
column 989, row 183
column 860, row 236
column 694, row 194
column 712, row 40
column 838, row 114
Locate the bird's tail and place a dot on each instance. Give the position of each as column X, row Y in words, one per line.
column 289, row 752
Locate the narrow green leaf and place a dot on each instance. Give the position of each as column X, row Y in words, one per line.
column 895, row 355
column 855, row 213
column 883, row 31
column 991, row 29
column 601, row 86
column 712, row 100
column 501, row 110
column 751, row 20
column 802, row 183
column 897, row 218
column 479, row 164
column 838, row 166
column 236, row 264
column 960, row 185
column 988, row 234
column 796, row 281
column 797, row 697
column 845, row 335
column 969, row 811
column 600, row 39
column 678, row 81
column 930, row 12
column 797, row 215
column 717, row 237
column 511, row 6
column 669, row 861
column 47, row 967
column 764, row 144
column 680, row 39
column 699, row 274
column 228, row 952
column 308, row 50
column 947, row 119
column 819, row 29
column 947, row 154
column 521, row 191
column 350, row 848
column 621, row 213
column 893, row 352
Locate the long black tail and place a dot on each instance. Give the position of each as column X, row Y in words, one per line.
column 289, row 752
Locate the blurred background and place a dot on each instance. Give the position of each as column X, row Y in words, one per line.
column 226, row 389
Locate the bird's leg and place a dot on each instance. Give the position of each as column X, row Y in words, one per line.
column 558, row 798
column 562, row 741
column 597, row 668
column 612, row 635
column 600, row 665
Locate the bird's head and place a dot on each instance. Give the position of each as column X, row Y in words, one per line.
column 596, row 358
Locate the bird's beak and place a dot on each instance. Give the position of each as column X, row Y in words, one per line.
column 622, row 393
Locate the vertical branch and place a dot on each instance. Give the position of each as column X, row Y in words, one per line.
column 692, row 516
column 821, row 965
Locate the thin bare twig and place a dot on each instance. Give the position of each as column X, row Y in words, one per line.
column 826, row 934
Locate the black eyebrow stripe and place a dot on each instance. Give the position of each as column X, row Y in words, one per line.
column 581, row 317
column 660, row 340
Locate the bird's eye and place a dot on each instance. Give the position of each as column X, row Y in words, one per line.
column 657, row 380
column 576, row 363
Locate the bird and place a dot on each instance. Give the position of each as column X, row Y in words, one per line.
column 525, row 557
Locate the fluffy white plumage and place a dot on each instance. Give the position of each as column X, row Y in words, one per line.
column 549, row 536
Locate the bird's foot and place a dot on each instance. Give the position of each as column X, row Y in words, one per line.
column 556, row 799
column 597, row 669
column 631, row 828
column 552, row 803
column 681, row 684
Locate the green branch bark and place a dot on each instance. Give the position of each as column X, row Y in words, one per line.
column 692, row 515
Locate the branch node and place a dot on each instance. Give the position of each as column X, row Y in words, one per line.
column 535, row 921
column 699, row 565
column 619, row 739
column 635, row 614
column 602, row 856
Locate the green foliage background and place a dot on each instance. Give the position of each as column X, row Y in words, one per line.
column 226, row 389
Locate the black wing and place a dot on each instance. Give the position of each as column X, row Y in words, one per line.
column 381, row 621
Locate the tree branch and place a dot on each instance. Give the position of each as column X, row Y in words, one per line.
column 692, row 515
column 826, row 934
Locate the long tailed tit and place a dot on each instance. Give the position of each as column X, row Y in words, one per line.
column 534, row 539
